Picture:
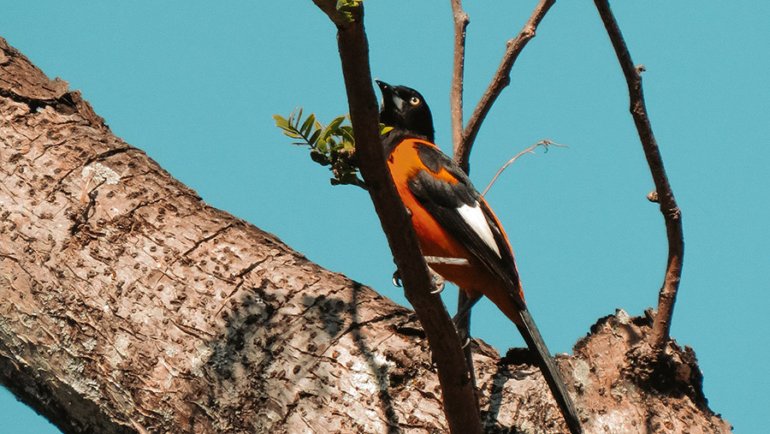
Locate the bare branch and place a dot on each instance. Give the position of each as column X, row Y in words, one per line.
column 530, row 150
column 665, row 196
column 461, row 21
column 463, row 141
column 460, row 403
column 500, row 80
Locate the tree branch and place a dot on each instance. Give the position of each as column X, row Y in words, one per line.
column 668, row 207
column 500, row 80
column 460, row 403
column 463, row 141
column 163, row 314
column 461, row 21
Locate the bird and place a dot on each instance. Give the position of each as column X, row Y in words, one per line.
column 455, row 226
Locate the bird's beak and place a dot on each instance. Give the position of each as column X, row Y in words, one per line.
column 384, row 87
column 389, row 95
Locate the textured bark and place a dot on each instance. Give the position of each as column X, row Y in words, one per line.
column 128, row 305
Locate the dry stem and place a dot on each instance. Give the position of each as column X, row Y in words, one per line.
column 668, row 207
column 530, row 150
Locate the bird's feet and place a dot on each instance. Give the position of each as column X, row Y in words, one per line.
column 397, row 279
column 438, row 281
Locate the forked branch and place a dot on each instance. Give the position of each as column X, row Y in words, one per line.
column 462, row 140
column 668, row 207
column 500, row 80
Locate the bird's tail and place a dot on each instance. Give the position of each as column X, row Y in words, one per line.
column 550, row 371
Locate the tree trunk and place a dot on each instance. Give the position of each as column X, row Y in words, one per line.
column 128, row 305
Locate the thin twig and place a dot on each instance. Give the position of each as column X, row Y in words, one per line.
column 500, row 80
column 668, row 207
column 530, row 150
column 461, row 21
column 441, row 260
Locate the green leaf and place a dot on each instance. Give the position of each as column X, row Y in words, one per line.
column 281, row 122
column 307, row 125
column 335, row 123
column 314, row 138
column 347, row 134
column 332, row 145
column 319, row 158
column 332, row 129
column 348, row 146
column 299, row 116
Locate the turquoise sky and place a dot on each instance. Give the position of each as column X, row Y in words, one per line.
column 195, row 83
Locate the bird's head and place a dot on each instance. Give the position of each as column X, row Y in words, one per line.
column 405, row 109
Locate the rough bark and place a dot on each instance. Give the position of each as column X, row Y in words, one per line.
column 128, row 305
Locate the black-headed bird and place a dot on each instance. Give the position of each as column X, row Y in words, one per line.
column 456, row 227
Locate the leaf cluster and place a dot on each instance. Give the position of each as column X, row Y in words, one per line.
column 330, row 145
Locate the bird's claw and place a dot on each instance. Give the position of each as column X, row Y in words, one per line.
column 466, row 342
column 397, row 279
column 438, row 282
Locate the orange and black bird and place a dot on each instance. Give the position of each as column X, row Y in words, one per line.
column 453, row 222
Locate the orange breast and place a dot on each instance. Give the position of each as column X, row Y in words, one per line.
column 404, row 163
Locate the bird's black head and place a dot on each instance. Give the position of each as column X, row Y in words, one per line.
column 405, row 109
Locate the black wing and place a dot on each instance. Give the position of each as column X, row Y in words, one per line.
column 442, row 199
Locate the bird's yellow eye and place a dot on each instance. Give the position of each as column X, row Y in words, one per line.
column 414, row 100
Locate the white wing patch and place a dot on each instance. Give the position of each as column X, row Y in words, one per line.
column 476, row 220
